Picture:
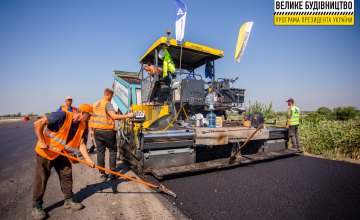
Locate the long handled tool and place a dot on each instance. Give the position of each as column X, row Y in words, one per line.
column 233, row 155
column 161, row 188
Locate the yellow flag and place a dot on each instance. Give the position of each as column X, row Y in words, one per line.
column 244, row 35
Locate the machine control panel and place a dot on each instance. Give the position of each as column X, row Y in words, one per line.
column 139, row 114
column 192, row 91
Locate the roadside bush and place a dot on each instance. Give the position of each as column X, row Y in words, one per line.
column 317, row 117
column 324, row 111
column 344, row 113
column 332, row 134
column 333, row 139
column 259, row 108
column 314, row 117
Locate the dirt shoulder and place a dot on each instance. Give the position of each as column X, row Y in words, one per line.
column 114, row 199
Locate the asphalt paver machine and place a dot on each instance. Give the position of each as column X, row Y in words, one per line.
column 182, row 124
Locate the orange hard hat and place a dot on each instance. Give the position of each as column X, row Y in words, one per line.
column 86, row 108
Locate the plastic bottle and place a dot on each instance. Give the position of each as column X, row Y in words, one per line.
column 209, row 99
column 211, row 118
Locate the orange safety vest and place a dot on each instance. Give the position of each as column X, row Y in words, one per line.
column 100, row 119
column 57, row 140
column 65, row 108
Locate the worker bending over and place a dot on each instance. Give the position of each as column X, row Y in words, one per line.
column 61, row 131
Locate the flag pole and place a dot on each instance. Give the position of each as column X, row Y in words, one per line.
column 180, row 59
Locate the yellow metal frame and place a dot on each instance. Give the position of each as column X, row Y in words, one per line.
column 152, row 113
column 186, row 45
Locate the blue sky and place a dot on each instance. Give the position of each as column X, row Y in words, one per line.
column 52, row 49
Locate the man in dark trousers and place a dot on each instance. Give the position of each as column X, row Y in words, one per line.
column 292, row 123
column 61, row 131
column 102, row 128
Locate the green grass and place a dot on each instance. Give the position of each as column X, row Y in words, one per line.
column 332, row 139
column 328, row 133
column 327, row 138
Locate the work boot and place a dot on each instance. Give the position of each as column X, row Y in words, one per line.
column 73, row 204
column 104, row 177
column 38, row 212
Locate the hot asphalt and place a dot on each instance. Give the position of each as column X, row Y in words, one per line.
column 297, row 187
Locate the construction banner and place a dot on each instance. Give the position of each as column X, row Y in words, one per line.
column 244, row 34
column 307, row 12
column 180, row 20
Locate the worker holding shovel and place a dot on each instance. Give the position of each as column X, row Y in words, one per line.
column 59, row 132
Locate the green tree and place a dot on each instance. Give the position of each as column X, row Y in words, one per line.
column 344, row 113
column 324, row 111
column 32, row 114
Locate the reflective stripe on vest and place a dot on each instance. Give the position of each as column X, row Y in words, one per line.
column 100, row 119
column 71, row 149
column 295, row 115
column 54, row 148
column 53, row 137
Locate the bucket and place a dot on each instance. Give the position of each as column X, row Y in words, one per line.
column 218, row 122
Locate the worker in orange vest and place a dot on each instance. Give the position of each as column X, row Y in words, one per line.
column 67, row 106
column 61, row 131
column 151, row 69
column 102, row 128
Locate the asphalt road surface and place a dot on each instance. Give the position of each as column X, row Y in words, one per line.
column 297, row 187
column 17, row 143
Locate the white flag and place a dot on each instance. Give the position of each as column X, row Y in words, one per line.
column 180, row 21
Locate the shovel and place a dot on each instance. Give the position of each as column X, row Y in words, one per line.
column 161, row 188
column 233, row 155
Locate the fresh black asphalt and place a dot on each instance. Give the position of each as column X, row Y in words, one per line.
column 297, row 187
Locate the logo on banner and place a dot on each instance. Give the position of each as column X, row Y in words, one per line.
column 314, row 12
column 180, row 12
